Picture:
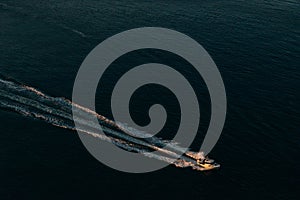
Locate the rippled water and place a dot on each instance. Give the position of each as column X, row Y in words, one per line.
column 255, row 44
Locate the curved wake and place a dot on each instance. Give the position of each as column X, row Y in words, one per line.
column 57, row 111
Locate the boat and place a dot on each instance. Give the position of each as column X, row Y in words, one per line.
column 207, row 164
column 203, row 163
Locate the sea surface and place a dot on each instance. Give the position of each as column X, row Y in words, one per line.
column 255, row 45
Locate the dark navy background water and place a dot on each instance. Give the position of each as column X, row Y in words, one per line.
column 254, row 43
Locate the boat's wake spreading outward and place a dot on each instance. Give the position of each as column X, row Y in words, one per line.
column 58, row 111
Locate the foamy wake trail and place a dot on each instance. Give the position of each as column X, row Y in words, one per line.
column 57, row 111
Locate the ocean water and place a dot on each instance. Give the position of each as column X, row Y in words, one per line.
column 255, row 45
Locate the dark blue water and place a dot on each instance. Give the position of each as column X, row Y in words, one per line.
column 255, row 44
